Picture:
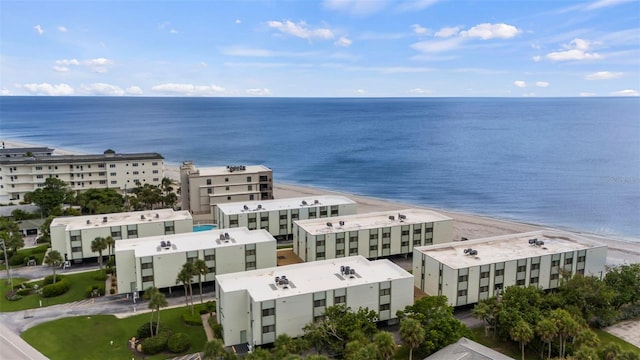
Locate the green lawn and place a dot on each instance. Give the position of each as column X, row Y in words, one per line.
column 79, row 283
column 606, row 338
column 37, row 252
column 88, row 337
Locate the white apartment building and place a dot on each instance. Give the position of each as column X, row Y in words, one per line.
column 277, row 216
column 254, row 307
column 470, row 271
column 21, row 174
column 72, row 235
column 371, row 235
column 157, row 260
column 26, row 152
column 202, row 189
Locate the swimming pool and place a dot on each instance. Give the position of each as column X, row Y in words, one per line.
column 204, row 227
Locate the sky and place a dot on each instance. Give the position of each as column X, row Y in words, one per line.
column 330, row 48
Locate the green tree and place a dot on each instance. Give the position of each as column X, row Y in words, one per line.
column 53, row 259
column 185, row 276
column 547, row 331
column 567, row 327
column 169, row 197
column 436, row 317
column 50, row 197
column 99, row 244
column 111, row 243
column 213, row 350
column 259, row 354
column 100, row 201
column 284, row 345
column 625, row 281
column 157, row 300
column 522, row 333
column 590, row 296
column 19, row 214
column 45, row 229
column 586, row 353
column 147, row 196
column 11, row 235
column 487, row 310
column 385, row 344
column 201, row 268
column 411, row 334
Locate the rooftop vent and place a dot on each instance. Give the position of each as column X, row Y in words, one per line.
column 141, row 217
column 226, row 236
column 470, row 252
column 329, row 224
column 391, row 217
column 259, row 206
column 163, row 244
column 157, row 216
column 341, row 222
column 402, row 217
column 221, row 236
column 88, row 221
column 536, row 242
column 246, row 207
column 304, row 202
column 104, row 219
column 316, row 201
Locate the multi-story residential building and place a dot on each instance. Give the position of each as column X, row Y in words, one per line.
column 202, row 189
column 277, row 216
column 254, row 307
column 21, row 174
column 26, row 152
column 371, row 235
column 157, row 260
column 470, row 271
column 72, row 235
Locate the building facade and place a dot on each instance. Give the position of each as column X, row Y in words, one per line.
column 277, row 216
column 72, row 235
column 21, row 174
column 470, row 271
column 254, row 307
column 157, row 260
column 202, row 189
column 371, row 235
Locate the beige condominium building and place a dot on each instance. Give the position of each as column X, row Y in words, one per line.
column 371, row 235
column 469, row 271
column 254, row 307
column 72, row 235
column 157, row 260
column 277, row 216
column 204, row 188
column 22, row 174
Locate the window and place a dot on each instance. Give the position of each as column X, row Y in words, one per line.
column 384, row 307
column 462, row 292
column 339, row 300
column 520, row 282
column 76, row 249
column 112, row 174
column 136, row 173
column 132, row 230
column 102, row 173
column 208, row 181
column 210, row 257
column 251, row 197
column 417, row 231
column 249, row 187
column 318, row 303
column 283, row 216
column 283, row 226
column 320, row 255
column 116, row 233
column 312, row 213
column 112, row 166
column 339, row 252
column 169, row 227
column 429, row 229
column 263, row 178
column 555, row 262
column 318, row 318
column 39, row 176
column 339, row 241
column 251, row 264
column 268, row 312
column 134, row 164
column 404, row 232
column 99, row 165
column 384, row 292
column 416, row 242
column 535, row 266
column 463, row 278
column 155, row 163
column 323, row 211
column 568, row 261
column 146, row 266
column 264, row 218
column 484, row 275
column 268, row 329
column 75, row 235
column 233, row 222
column 250, row 252
column 498, row 286
column 386, row 246
column 228, row 197
column 248, row 178
column 320, row 243
column 226, row 188
column 484, row 288
column 373, row 247
column 103, row 182
column 373, row 236
column 581, row 258
column 147, row 278
column 334, row 210
column 534, row 280
column 522, row 268
column 555, row 276
column 226, row 179
column 499, row 272
column 209, row 191
column 155, row 171
column 212, row 270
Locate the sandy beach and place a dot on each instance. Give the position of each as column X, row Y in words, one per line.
column 466, row 225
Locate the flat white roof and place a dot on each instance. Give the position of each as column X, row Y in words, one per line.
column 200, row 240
column 283, row 204
column 372, row 220
column 506, row 248
column 311, row 277
column 119, row 219
column 226, row 170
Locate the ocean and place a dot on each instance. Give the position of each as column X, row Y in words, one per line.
column 571, row 163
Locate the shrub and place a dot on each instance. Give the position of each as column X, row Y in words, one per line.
column 17, row 259
column 109, row 271
column 56, row 289
column 178, row 343
column 13, row 296
column 156, row 344
column 144, row 331
column 100, row 276
column 89, row 292
column 24, row 292
column 49, row 279
column 112, row 291
column 39, row 249
column 194, row 319
column 217, row 330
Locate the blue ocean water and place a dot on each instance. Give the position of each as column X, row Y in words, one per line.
column 565, row 162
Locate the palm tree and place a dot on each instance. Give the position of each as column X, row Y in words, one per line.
column 547, row 330
column 385, row 344
column 201, row 269
column 522, row 333
column 111, row 244
column 185, row 276
column 213, row 350
column 157, row 300
column 53, row 259
column 567, row 327
column 98, row 245
column 412, row 333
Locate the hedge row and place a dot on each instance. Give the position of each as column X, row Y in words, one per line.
column 59, row 288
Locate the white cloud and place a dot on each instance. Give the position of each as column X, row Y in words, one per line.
column 419, row 91
column 355, row 7
column 48, row 89
column 68, row 62
column 446, row 32
column 606, row 3
column 531, row 94
column 62, row 29
column 520, row 83
column 537, row 58
column 576, row 50
column 98, row 62
column 360, row 91
column 418, row 29
column 238, row 21
column 626, row 93
column 301, row 30
column 586, row 94
column 60, row 68
column 603, row 75
column 133, row 90
column 258, row 92
column 437, row 46
column 39, row 29
column 173, row 31
column 488, row 31
column 5, row 92
column 188, row 89
column 98, row 65
column 542, row 84
column 343, row 41
column 102, row 89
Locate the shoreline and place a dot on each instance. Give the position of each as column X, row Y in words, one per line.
column 468, row 225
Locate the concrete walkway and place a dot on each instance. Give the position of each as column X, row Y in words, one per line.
column 628, row 331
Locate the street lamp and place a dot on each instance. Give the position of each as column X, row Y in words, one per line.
column 6, row 261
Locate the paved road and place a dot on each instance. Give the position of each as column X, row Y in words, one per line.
column 12, row 347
